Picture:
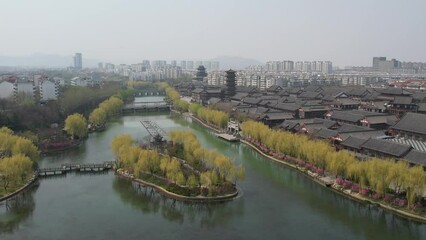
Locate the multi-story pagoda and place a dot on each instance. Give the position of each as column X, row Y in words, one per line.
column 201, row 73
column 230, row 83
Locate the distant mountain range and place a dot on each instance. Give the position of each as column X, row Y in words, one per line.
column 237, row 63
column 43, row 60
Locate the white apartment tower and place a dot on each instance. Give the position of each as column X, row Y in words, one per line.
column 78, row 61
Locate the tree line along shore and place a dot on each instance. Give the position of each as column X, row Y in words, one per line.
column 392, row 182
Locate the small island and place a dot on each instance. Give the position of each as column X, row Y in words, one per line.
column 179, row 168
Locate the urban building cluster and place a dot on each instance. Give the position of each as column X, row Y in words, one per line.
column 158, row 69
column 381, row 64
column 40, row 87
column 325, row 67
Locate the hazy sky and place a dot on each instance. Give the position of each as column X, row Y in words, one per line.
column 345, row 32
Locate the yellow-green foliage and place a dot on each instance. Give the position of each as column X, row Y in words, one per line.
column 214, row 167
column 106, row 109
column 378, row 174
column 17, row 155
column 76, row 125
column 199, row 157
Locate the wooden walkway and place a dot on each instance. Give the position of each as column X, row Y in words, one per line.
column 69, row 167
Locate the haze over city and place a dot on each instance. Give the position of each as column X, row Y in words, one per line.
column 345, row 32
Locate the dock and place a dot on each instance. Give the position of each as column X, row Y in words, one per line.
column 228, row 137
column 73, row 167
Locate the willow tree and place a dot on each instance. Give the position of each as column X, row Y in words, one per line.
column 414, row 183
column 14, row 170
column 120, row 141
column 76, row 125
column 98, row 117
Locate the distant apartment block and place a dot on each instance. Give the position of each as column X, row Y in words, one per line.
column 394, row 66
column 45, row 89
column 78, row 61
column 325, row 67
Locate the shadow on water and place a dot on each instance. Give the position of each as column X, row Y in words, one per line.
column 148, row 201
column 16, row 210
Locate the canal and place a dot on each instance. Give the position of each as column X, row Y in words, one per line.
column 276, row 202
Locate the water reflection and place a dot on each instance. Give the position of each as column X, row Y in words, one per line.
column 148, row 201
column 369, row 221
column 17, row 209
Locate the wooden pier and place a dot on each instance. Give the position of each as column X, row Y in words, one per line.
column 228, row 137
column 70, row 167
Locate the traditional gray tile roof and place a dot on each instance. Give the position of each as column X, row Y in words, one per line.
column 251, row 100
column 287, row 106
column 277, row 116
column 325, row 133
column 274, row 88
column 214, row 100
column 363, row 135
column 346, row 116
column 313, row 88
column 359, row 92
column 346, row 102
column 353, row 142
column 247, row 89
column 371, row 96
column 346, row 128
column 386, row 147
column 239, row 96
column 416, row 157
column 312, row 103
column 214, row 91
column 419, row 96
column 311, row 95
column 268, row 102
column 198, row 90
column 412, row 122
column 283, row 93
column 421, row 107
column 405, row 100
column 386, row 119
column 326, row 122
column 418, row 145
column 393, row 91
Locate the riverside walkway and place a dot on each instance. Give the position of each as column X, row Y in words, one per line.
column 70, row 167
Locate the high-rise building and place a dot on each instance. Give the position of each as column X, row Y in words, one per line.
column 376, row 62
column 78, row 61
column 306, row 67
column 299, row 66
column 327, row 67
column 146, row 64
column 215, row 66
column 183, row 65
column 288, row 66
column 173, row 63
column 190, row 65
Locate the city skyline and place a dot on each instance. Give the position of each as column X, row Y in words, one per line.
column 346, row 33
